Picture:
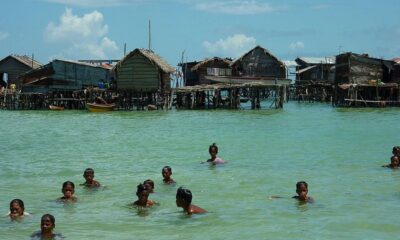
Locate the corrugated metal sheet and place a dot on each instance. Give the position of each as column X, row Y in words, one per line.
column 290, row 63
column 306, row 69
column 318, row 60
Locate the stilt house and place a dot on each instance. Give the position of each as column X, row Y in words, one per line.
column 212, row 67
column 190, row 78
column 64, row 75
column 364, row 81
column 315, row 69
column 259, row 62
column 143, row 71
column 15, row 65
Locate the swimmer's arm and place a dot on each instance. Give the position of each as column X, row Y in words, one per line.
column 274, row 197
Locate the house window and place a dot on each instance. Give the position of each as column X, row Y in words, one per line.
column 219, row 71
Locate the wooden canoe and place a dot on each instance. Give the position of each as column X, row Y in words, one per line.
column 97, row 107
column 56, row 108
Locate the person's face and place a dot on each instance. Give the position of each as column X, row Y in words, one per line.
column 46, row 225
column 395, row 161
column 148, row 186
column 68, row 191
column 302, row 192
column 213, row 152
column 143, row 196
column 88, row 176
column 166, row 174
column 180, row 202
column 16, row 211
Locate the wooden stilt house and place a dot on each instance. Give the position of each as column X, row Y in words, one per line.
column 15, row 65
column 212, row 67
column 314, row 78
column 361, row 80
column 65, row 76
column 259, row 62
column 143, row 71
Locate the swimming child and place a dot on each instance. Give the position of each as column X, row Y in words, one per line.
column 396, row 151
column 213, row 150
column 47, row 224
column 17, row 209
column 88, row 174
column 143, row 197
column 184, row 200
column 68, row 189
column 149, row 185
column 302, row 191
column 166, row 173
column 394, row 162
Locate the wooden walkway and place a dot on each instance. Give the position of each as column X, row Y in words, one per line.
column 231, row 95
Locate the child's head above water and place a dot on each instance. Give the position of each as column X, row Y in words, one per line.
column 213, row 149
column 166, row 172
column 142, row 193
column 394, row 161
column 302, row 190
column 17, row 208
column 47, row 223
column 88, row 174
column 183, row 197
column 396, row 150
column 68, row 189
column 149, row 185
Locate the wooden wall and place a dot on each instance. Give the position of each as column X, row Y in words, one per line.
column 79, row 75
column 357, row 69
column 202, row 71
column 257, row 63
column 13, row 68
column 139, row 74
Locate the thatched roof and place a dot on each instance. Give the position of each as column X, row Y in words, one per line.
column 263, row 49
column 24, row 60
column 208, row 60
column 154, row 58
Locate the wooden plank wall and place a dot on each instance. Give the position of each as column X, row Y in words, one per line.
column 139, row 74
column 13, row 68
column 260, row 64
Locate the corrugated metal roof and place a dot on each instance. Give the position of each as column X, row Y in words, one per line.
column 290, row 63
column 198, row 65
column 396, row 60
column 25, row 60
column 318, row 60
column 306, row 69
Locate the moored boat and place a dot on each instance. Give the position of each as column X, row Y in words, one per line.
column 100, row 107
column 56, row 108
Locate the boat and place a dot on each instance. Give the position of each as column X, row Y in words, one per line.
column 56, row 108
column 100, row 107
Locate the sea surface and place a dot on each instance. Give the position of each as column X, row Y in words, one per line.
column 339, row 152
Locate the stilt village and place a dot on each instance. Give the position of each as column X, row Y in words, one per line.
column 142, row 80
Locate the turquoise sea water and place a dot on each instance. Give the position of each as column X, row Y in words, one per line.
column 339, row 152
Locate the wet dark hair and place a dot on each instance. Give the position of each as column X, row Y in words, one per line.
column 51, row 217
column 150, row 182
column 395, row 149
column 140, row 189
column 298, row 184
column 88, row 170
column 168, row 168
column 214, row 145
column 68, row 183
column 19, row 202
column 185, row 194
